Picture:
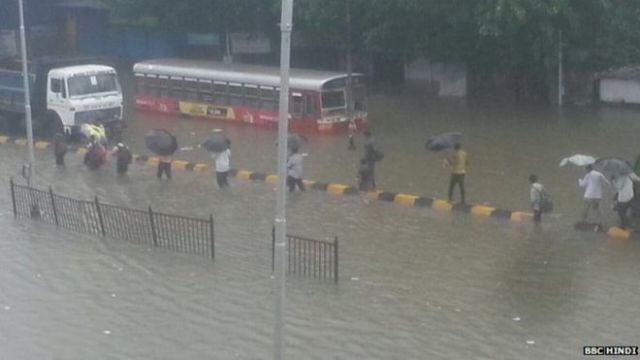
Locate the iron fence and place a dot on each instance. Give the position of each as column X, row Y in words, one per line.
column 309, row 257
column 143, row 227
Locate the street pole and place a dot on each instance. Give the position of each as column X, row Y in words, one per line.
column 349, row 65
column 27, row 95
column 560, row 87
column 281, row 200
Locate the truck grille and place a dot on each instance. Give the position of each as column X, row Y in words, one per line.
column 97, row 116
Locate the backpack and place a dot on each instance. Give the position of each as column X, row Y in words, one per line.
column 546, row 203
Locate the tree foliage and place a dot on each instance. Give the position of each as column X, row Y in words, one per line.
column 517, row 39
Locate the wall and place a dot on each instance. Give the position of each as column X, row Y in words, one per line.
column 620, row 91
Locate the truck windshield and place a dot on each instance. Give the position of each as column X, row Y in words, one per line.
column 91, row 84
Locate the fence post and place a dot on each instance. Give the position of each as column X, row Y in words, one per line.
column 273, row 248
column 13, row 198
column 153, row 228
column 213, row 237
column 335, row 259
column 53, row 206
column 100, row 216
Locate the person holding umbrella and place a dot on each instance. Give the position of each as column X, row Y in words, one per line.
column 222, row 160
column 294, row 171
column 164, row 145
column 458, row 163
column 593, row 183
column 624, row 195
column 219, row 147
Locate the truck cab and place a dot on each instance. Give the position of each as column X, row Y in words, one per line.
column 66, row 92
column 83, row 94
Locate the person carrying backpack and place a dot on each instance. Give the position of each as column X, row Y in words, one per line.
column 535, row 195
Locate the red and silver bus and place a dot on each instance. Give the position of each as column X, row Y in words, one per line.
column 248, row 94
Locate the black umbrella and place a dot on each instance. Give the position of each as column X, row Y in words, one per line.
column 161, row 142
column 612, row 167
column 217, row 142
column 443, row 141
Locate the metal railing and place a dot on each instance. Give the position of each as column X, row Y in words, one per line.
column 144, row 227
column 309, row 257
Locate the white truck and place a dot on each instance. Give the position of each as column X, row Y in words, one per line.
column 65, row 93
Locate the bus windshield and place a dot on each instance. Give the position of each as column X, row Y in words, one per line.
column 91, row 84
column 333, row 99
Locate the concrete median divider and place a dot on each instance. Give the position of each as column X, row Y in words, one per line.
column 402, row 199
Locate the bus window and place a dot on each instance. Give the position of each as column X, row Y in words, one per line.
column 251, row 98
column 333, row 99
column 175, row 88
column 164, row 86
column 205, row 91
column 268, row 98
column 191, row 87
column 220, row 93
column 140, row 84
column 235, row 94
column 298, row 105
column 153, row 85
column 310, row 104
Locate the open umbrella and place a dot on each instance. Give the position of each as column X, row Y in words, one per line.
column 161, row 142
column 443, row 141
column 217, row 142
column 578, row 160
column 613, row 167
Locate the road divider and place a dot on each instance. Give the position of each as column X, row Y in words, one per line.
column 402, row 199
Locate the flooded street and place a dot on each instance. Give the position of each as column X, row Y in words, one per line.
column 414, row 284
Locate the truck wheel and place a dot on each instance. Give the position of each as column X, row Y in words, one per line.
column 52, row 125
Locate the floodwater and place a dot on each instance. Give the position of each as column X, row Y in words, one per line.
column 415, row 283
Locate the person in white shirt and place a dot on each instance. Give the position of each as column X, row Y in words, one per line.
column 294, row 171
column 593, row 183
column 535, row 195
column 624, row 186
column 222, row 161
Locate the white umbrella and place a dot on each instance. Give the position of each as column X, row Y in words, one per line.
column 578, row 160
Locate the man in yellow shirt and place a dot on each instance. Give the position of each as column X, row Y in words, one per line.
column 458, row 163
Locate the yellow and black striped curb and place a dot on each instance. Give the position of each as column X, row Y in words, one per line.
column 341, row 189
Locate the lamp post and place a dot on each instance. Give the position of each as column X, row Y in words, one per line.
column 281, row 216
column 27, row 95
